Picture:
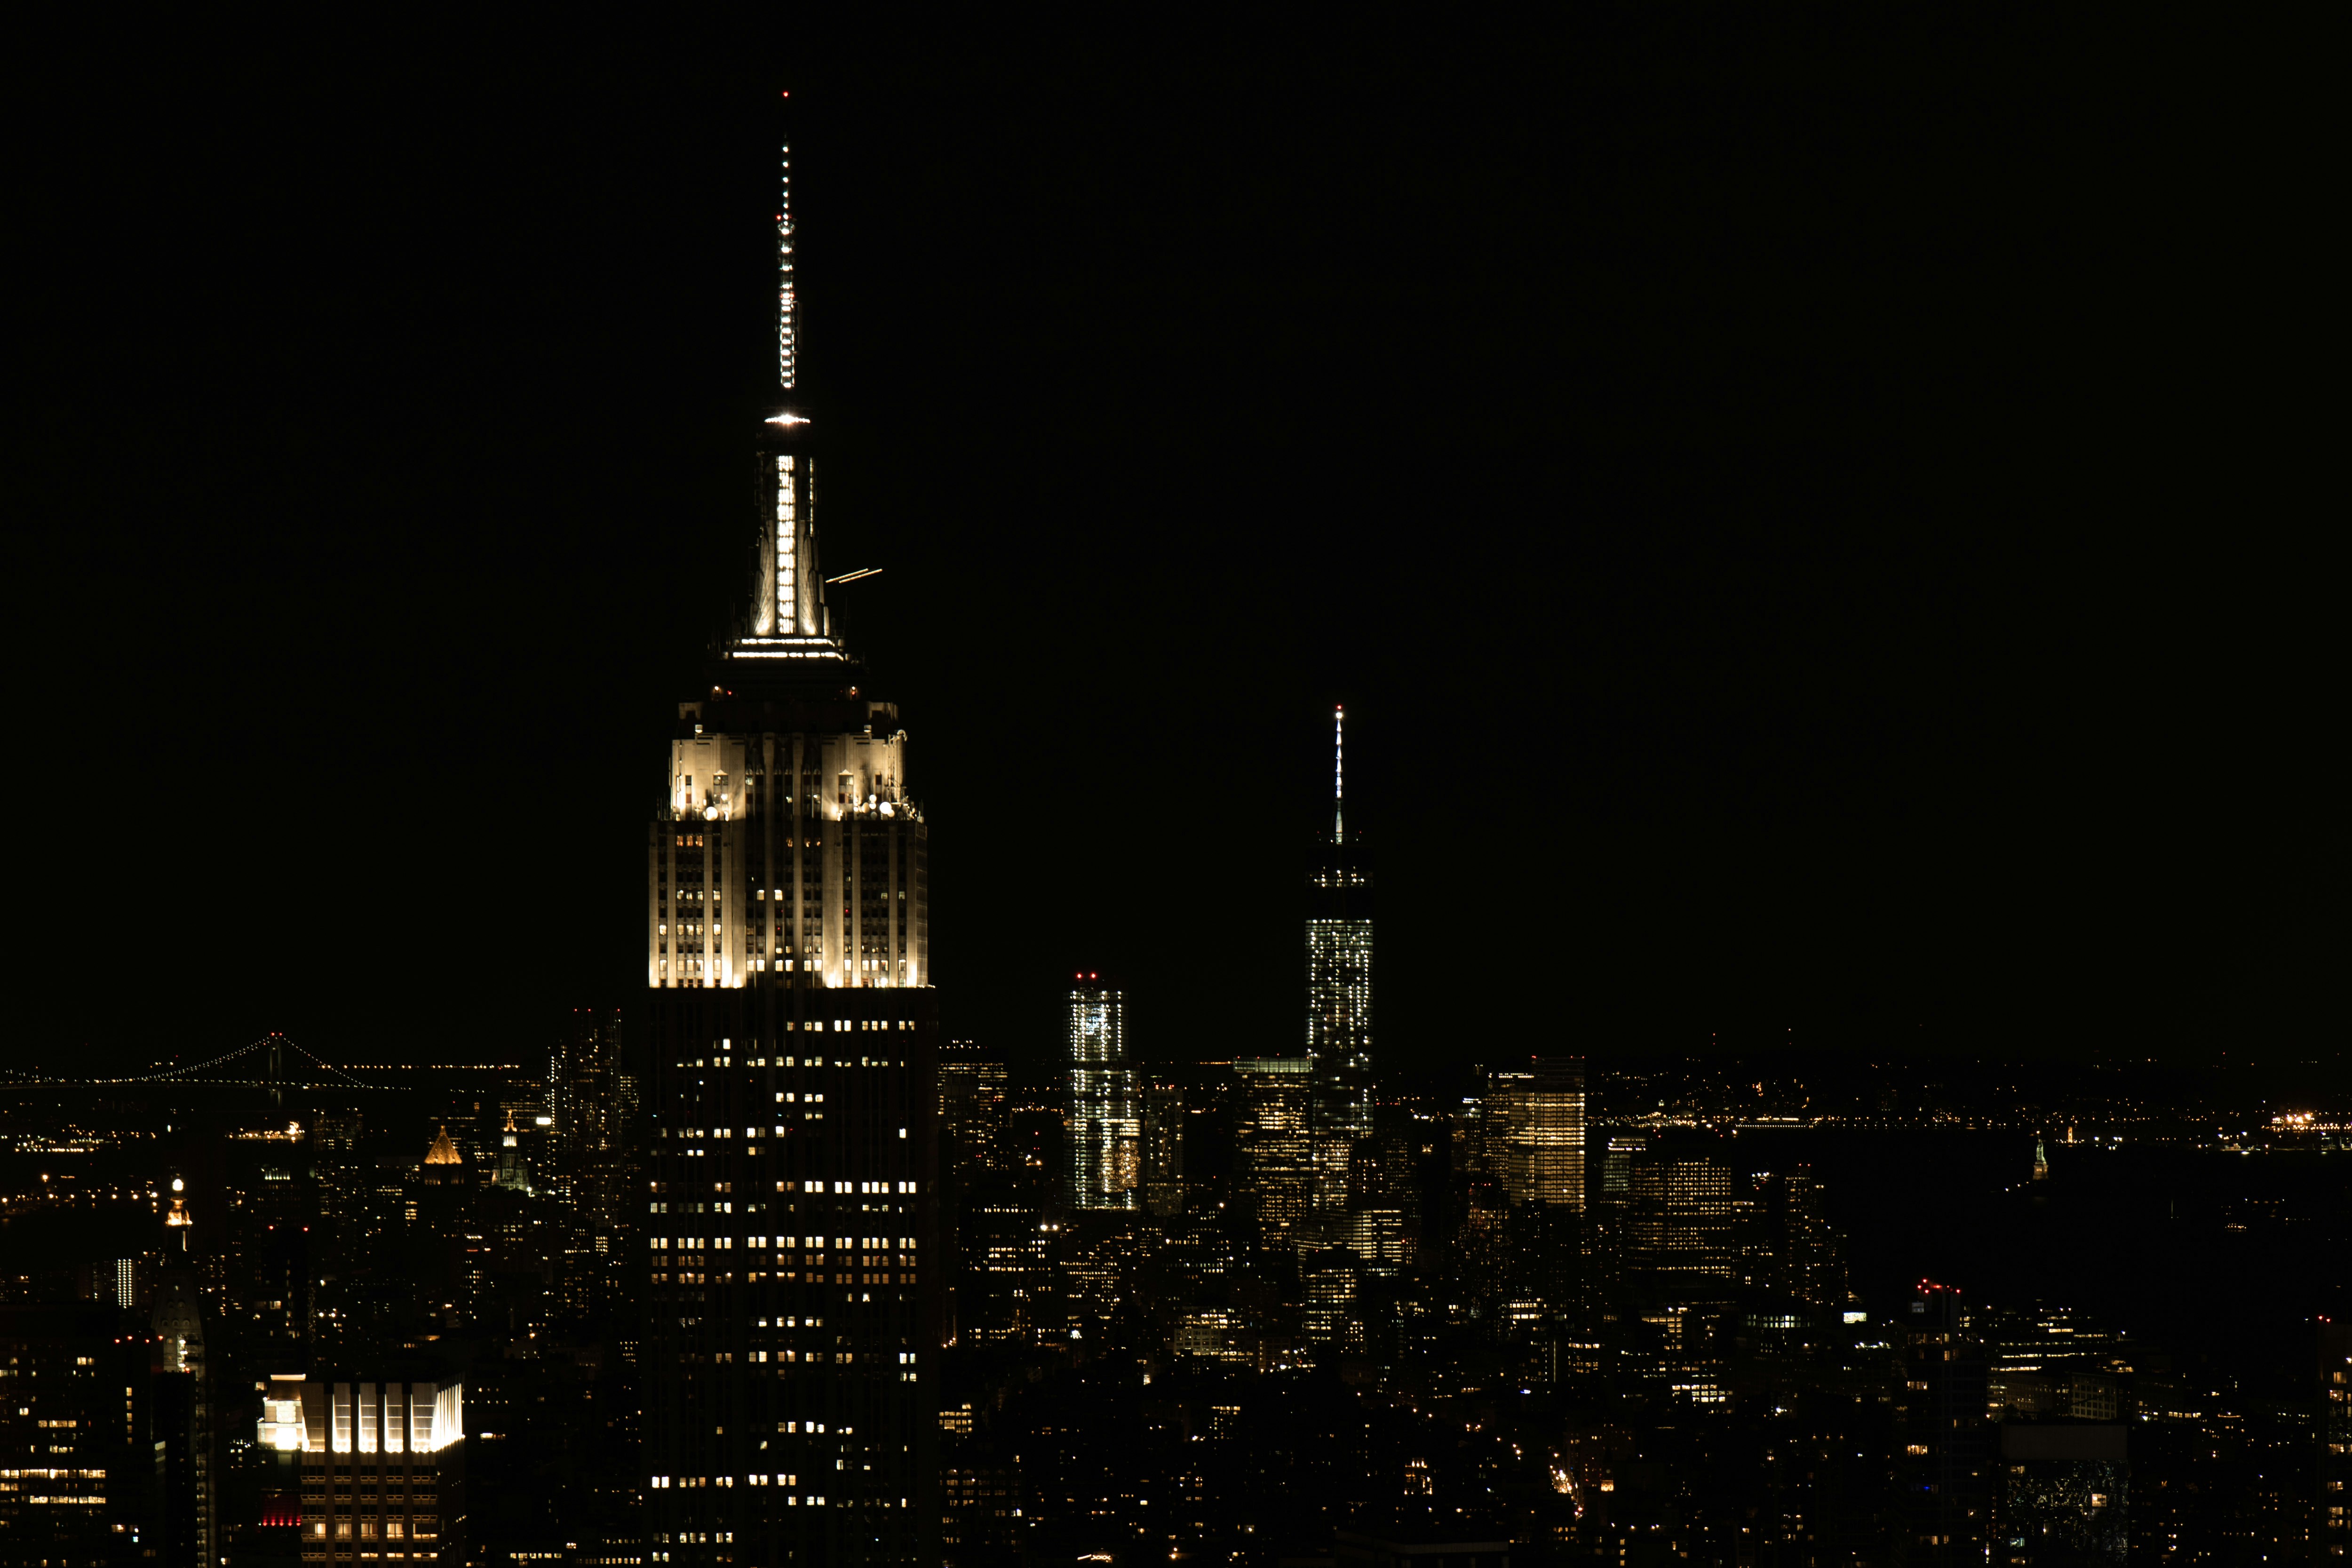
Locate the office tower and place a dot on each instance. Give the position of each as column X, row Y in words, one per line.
column 1328, row 1281
column 592, row 1095
column 1273, row 1144
column 1339, row 979
column 1617, row 1168
column 975, row 1178
column 1536, row 1117
column 1940, row 1413
column 1163, row 1150
column 1800, row 1260
column 793, row 1290
column 1005, row 1292
column 1100, row 1259
column 972, row 1084
column 1679, row 1218
column 77, row 1436
column 1383, row 1204
column 383, row 1466
column 1106, row 1133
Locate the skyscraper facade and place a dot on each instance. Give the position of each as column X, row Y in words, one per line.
column 793, row 1296
column 972, row 1085
column 1535, row 1117
column 1338, row 989
column 1274, row 1166
column 1679, row 1219
column 1106, row 1126
column 383, row 1467
column 1163, row 1149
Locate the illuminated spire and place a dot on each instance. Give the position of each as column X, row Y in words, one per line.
column 1339, row 774
column 787, row 303
column 788, row 627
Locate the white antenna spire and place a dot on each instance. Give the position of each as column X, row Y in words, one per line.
column 787, row 305
column 1339, row 774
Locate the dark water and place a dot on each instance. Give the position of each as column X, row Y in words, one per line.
column 2196, row 1251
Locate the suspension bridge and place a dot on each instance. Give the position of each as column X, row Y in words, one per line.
column 272, row 1062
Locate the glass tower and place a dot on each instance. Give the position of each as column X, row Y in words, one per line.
column 1339, row 990
column 1106, row 1129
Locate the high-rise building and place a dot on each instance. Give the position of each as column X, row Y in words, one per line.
column 592, row 1096
column 1106, row 1132
column 383, row 1465
column 1339, row 978
column 1941, row 1433
column 972, row 1084
column 792, row 1280
column 1163, row 1149
column 1383, row 1202
column 1005, row 1294
column 79, row 1431
column 1679, row 1221
column 1536, row 1128
column 1273, row 1145
column 1799, row 1244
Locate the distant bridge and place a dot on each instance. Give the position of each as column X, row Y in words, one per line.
column 259, row 1064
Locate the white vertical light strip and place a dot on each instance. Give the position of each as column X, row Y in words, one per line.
column 787, row 303
column 788, row 615
column 1339, row 774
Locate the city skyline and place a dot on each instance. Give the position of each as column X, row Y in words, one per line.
column 1365, row 799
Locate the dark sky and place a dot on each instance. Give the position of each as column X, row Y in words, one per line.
column 1820, row 527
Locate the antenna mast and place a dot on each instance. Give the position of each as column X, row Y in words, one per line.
column 1339, row 774
column 787, row 304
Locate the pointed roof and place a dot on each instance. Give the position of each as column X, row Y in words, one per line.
column 442, row 1151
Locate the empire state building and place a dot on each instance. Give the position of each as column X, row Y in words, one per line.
column 792, row 1289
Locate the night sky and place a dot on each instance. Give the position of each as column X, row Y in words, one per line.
column 1820, row 529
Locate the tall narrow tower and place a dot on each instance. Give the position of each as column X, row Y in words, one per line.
column 790, row 1242
column 1339, row 986
column 1106, row 1130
